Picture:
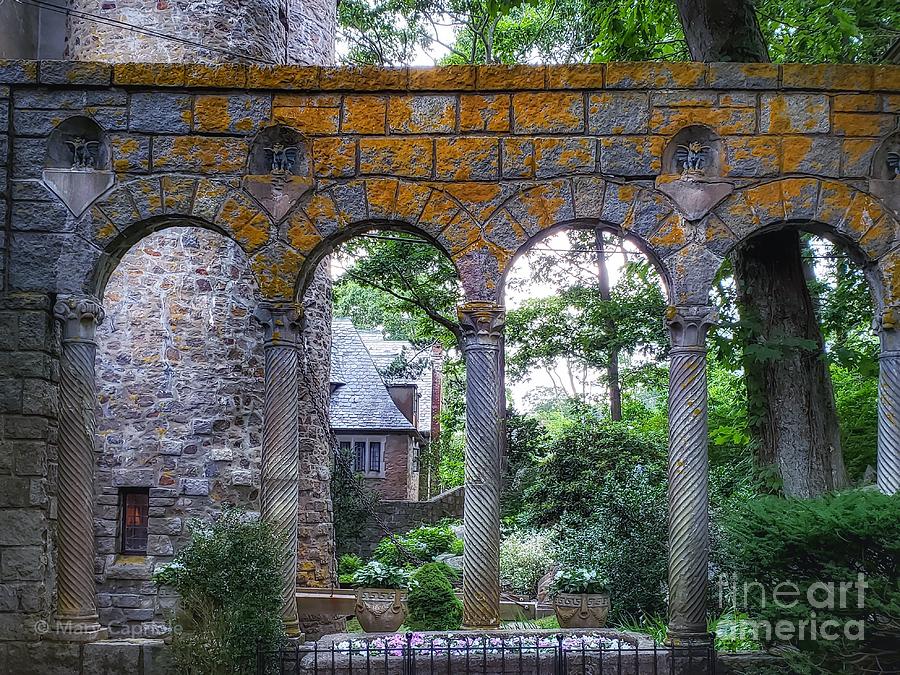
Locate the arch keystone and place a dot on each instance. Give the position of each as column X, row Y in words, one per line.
column 801, row 198
column 147, row 196
column 543, row 206
column 381, row 196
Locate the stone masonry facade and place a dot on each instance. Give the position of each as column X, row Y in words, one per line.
column 482, row 161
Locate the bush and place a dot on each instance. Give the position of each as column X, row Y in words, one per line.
column 524, row 558
column 579, row 581
column 624, row 535
column 377, row 575
column 230, row 587
column 807, row 543
column 431, row 601
column 422, row 544
column 348, row 565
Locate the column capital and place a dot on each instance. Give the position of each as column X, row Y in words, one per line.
column 79, row 315
column 482, row 321
column 887, row 325
column 281, row 322
column 688, row 325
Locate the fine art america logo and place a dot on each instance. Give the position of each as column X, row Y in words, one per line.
column 827, row 600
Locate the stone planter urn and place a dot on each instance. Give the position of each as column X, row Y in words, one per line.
column 581, row 610
column 380, row 610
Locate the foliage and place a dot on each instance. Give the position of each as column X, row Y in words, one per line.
column 352, row 501
column 579, row 580
column 375, row 574
column 348, row 565
column 577, row 462
column 422, row 544
column 432, row 603
column 856, row 397
column 524, row 559
column 812, row 544
column 622, row 530
column 228, row 580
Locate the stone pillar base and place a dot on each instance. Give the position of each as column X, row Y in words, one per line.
column 678, row 638
column 62, row 630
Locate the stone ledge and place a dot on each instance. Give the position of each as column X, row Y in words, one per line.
column 595, row 76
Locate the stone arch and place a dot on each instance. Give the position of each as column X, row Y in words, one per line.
column 338, row 213
column 644, row 217
column 848, row 216
column 140, row 207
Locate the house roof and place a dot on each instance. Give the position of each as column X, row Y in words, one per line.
column 360, row 399
column 384, row 352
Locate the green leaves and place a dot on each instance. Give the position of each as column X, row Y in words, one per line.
column 375, row 574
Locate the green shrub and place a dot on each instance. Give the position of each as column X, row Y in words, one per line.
column 348, row 565
column 625, row 535
column 808, row 543
column 432, row 603
column 524, row 558
column 419, row 545
column 378, row 575
column 579, row 580
column 229, row 584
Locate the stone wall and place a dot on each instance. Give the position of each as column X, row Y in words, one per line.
column 398, row 516
column 263, row 31
column 179, row 370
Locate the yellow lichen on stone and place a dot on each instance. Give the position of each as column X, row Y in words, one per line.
column 152, row 74
column 408, row 157
column 548, row 112
column 178, row 194
column 422, row 114
column 381, row 195
column 504, row 77
column 467, row 158
column 444, row 78
column 670, row 234
column 364, row 115
column 798, row 154
column 301, row 234
column 543, row 205
column 800, row 195
column 277, row 270
column 862, row 213
column 767, row 201
column 724, row 121
column 479, row 112
column 461, row 233
column 862, row 124
column 580, row 76
column 410, row 201
column 312, row 115
column 211, row 114
column 363, row 78
column 834, row 200
column 283, row 78
column 334, row 157
column 224, row 75
column 652, row 75
column 247, row 225
column 855, row 103
column 323, row 213
column 480, row 199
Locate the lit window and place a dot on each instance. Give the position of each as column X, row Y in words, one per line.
column 135, row 516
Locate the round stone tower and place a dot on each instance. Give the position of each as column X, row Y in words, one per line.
column 208, row 31
column 180, row 304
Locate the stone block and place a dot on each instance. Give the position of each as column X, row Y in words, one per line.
column 752, row 156
column 241, row 477
column 509, row 77
column 28, row 157
column 826, row 76
column 134, row 477
column 40, row 397
column 793, row 114
column 363, row 78
column 22, row 527
column 150, row 74
column 221, row 454
column 862, row 124
column 14, row 491
column 10, row 394
column 564, row 156
column 129, row 567
column 576, row 76
column 618, row 113
column 31, row 459
column 237, row 113
column 856, row 156
column 453, row 78
column 743, row 75
column 41, row 217
column 194, row 486
column 655, row 75
column 364, row 115
column 22, row 563
column 42, row 98
column 283, row 78
column 855, row 103
column 631, row 155
column 334, row 157
column 310, row 115
column 160, row 112
column 127, row 601
column 220, row 75
column 9, row 598
column 111, row 657
column 467, row 158
column 542, row 112
column 402, row 157
column 479, row 112
column 15, row 71
column 819, row 155
column 422, row 114
column 37, row 122
column 130, row 152
column 723, row 121
column 170, row 526
column 203, row 154
column 75, row 72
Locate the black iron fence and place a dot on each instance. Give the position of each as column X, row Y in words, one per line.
column 431, row 654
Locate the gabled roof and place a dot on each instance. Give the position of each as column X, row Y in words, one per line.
column 360, row 399
column 383, row 354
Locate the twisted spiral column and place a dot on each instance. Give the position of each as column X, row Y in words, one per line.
column 279, row 490
column 482, row 324
column 688, row 474
column 76, row 617
column 889, row 406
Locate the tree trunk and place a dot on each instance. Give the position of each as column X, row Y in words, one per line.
column 797, row 427
column 612, row 369
column 797, row 431
column 722, row 30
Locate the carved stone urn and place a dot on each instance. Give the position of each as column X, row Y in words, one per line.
column 380, row 610
column 581, row 610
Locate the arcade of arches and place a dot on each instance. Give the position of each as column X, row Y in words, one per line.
column 686, row 160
